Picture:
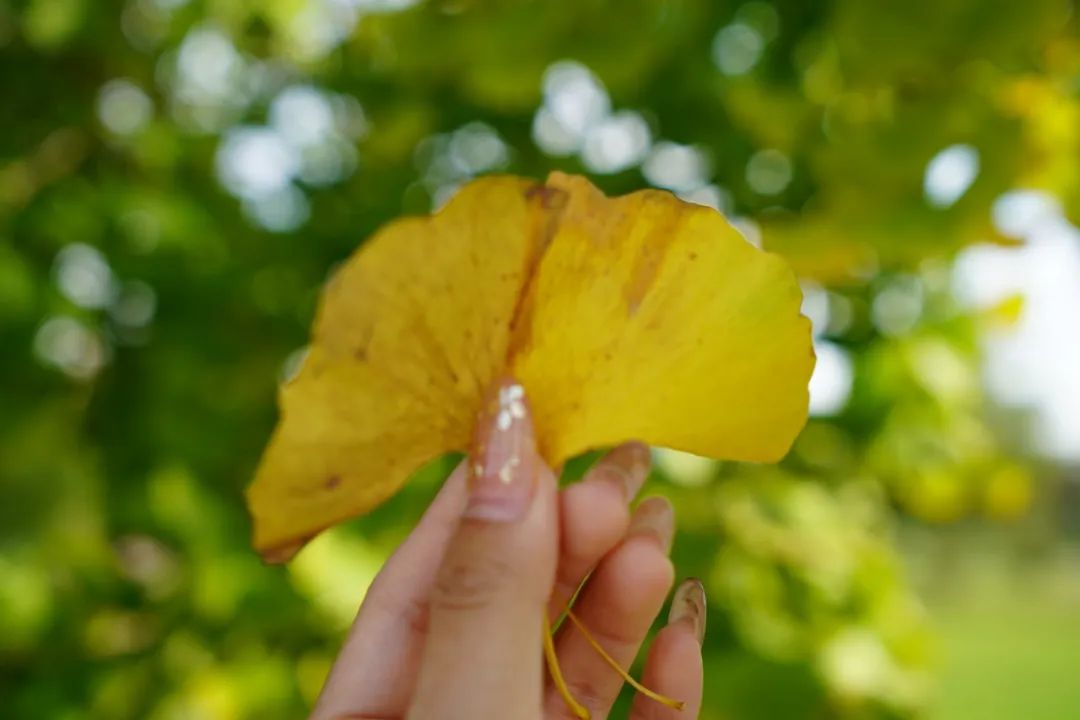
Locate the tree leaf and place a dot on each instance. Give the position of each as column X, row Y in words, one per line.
column 653, row 319
column 635, row 317
column 410, row 332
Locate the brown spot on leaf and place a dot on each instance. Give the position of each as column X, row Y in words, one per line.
column 548, row 197
column 332, row 482
column 642, row 277
column 647, row 265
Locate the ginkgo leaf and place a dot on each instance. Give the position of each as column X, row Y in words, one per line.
column 410, row 333
column 653, row 319
column 640, row 317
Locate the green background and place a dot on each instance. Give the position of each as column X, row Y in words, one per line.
column 178, row 178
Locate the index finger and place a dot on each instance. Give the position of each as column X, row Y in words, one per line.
column 371, row 674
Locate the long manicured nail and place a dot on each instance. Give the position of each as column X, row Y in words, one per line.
column 627, row 466
column 504, row 466
column 688, row 606
column 655, row 517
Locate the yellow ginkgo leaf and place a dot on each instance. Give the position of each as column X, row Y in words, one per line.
column 640, row 317
column 652, row 318
column 410, row 333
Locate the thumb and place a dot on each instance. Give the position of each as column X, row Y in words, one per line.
column 483, row 657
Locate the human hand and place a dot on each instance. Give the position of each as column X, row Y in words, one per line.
column 452, row 626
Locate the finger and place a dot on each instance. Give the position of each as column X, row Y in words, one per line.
column 594, row 515
column 376, row 669
column 482, row 657
column 674, row 666
column 374, row 673
column 618, row 606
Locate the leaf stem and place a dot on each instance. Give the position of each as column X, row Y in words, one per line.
column 662, row 699
column 556, row 674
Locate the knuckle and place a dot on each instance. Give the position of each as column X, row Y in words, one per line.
column 416, row 616
column 614, row 640
column 470, row 584
column 411, row 611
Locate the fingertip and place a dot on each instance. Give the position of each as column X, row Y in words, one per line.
column 626, row 466
column 654, row 517
column 594, row 518
column 688, row 607
column 674, row 668
column 639, row 574
column 505, row 465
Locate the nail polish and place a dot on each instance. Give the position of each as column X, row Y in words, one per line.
column 627, row 465
column 688, row 606
column 654, row 516
column 502, row 476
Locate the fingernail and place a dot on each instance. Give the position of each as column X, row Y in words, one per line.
column 688, row 606
column 504, row 461
column 655, row 517
column 628, row 466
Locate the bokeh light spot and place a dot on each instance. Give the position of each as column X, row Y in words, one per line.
column 898, row 306
column 830, row 385
column 302, row 115
column 949, row 174
column 681, row 168
column 617, row 143
column 575, row 101
column 1032, row 364
column 65, row 343
column 768, row 172
column 256, row 162
column 737, row 48
column 123, row 107
column 477, row 148
column 282, row 210
column 84, row 277
column 815, row 306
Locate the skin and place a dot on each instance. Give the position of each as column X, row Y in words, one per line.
column 451, row 628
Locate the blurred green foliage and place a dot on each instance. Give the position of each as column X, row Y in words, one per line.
column 178, row 177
